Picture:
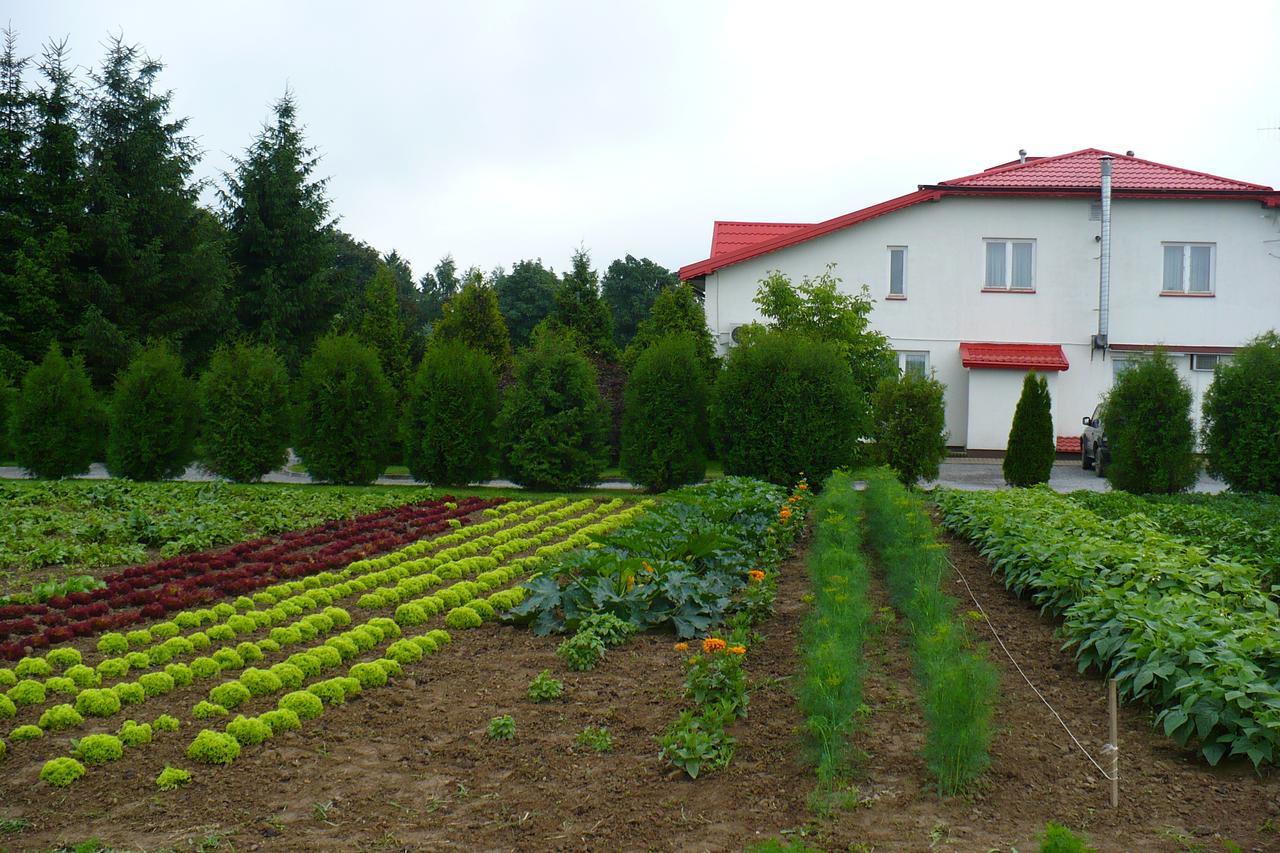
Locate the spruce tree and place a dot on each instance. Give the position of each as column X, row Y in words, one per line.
column 581, row 311
column 151, row 260
column 526, row 295
column 382, row 329
column 15, row 215
column 472, row 317
column 276, row 214
column 413, row 315
column 629, row 287
column 438, row 287
column 1029, row 456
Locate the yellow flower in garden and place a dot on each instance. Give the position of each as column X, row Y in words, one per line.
column 648, row 568
column 737, row 650
column 756, row 575
column 713, row 644
column 681, row 647
column 784, row 514
column 631, row 582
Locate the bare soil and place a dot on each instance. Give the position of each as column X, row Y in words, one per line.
column 408, row 767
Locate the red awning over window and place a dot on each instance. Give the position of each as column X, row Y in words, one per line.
column 1043, row 357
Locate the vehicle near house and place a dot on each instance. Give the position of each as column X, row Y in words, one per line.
column 1095, row 455
column 1037, row 264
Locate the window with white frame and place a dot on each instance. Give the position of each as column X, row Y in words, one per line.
column 1206, row 362
column 1120, row 365
column 898, row 271
column 1188, row 268
column 915, row 362
column 1010, row 265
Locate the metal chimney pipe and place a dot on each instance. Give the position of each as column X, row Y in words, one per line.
column 1104, row 265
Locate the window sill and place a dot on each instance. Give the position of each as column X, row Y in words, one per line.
column 897, row 297
column 1192, row 295
column 1008, row 290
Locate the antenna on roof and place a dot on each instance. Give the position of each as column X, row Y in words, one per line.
column 1022, row 155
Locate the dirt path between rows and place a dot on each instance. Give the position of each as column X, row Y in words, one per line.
column 408, row 767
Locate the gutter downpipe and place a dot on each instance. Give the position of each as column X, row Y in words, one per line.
column 1104, row 260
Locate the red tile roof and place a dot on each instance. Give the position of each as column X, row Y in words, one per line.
column 1080, row 170
column 1074, row 174
column 728, row 237
column 1043, row 357
column 1068, row 444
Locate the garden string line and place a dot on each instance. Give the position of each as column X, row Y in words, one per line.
column 1107, row 748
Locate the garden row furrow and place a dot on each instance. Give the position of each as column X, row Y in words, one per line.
column 452, row 563
column 385, row 645
column 1195, row 636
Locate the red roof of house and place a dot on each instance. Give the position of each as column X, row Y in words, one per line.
column 727, row 237
column 1042, row 357
column 1075, row 174
column 1080, row 170
column 1068, row 444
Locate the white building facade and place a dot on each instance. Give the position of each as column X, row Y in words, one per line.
column 985, row 277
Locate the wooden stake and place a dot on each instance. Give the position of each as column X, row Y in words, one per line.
column 1115, row 744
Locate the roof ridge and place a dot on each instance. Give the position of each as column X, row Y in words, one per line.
column 1038, row 161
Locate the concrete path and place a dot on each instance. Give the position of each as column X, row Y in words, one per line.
column 968, row 474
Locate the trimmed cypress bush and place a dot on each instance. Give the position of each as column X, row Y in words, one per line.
column 1241, row 414
column 909, row 425
column 346, row 409
column 153, row 418
column 448, row 421
column 664, row 421
column 786, row 406
column 57, row 420
column 1149, row 429
column 1029, row 456
column 553, row 423
column 8, row 398
column 244, row 399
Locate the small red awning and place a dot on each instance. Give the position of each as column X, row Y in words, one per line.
column 1042, row 357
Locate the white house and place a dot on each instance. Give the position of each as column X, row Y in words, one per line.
column 984, row 277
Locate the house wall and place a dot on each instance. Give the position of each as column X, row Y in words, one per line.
column 993, row 396
column 946, row 302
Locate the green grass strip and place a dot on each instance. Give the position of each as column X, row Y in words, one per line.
column 958, row 684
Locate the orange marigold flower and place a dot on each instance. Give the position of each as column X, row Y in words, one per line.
column 803, row 486
column 681, row 647
column 647, row 567
column 784, row 513
column 737, row 650
column 756, row 575
column 713, row 644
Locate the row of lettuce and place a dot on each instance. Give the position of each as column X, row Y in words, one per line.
column 1178, row 611
column 957, row 685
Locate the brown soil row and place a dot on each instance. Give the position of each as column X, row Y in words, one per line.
column 408, row 767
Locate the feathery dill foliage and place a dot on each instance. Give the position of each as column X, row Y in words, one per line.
column 830, row 693
column 958, row 685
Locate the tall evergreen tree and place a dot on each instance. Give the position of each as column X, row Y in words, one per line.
column 676, row 310
column 580, row 310
column 152, row 261
column 472, row 317
column 1029, row 457
column 630, row 286
column 438, row 287
column 526, row 295
column 412, row 307
column 15, row 224
column 382, row 329
column 276, row 214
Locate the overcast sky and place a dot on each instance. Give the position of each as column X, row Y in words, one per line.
column 507, row 130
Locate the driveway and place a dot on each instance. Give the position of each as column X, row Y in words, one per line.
column 1067, row 476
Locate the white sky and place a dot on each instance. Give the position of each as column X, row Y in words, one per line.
column 504, row 130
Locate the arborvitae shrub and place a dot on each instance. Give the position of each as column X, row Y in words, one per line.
column 553, row 424
column 448, row 421
column 1241, row 413
column 664, row 421
column 786, row 406
column 345, row 412
column 8, row 397
column 908, row 423
column 244, row 401
column 57, row 421
column 1029, row 457
column 153, row 418
column 1149, row 430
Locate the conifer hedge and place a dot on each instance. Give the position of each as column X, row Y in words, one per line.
column 1029, row 456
